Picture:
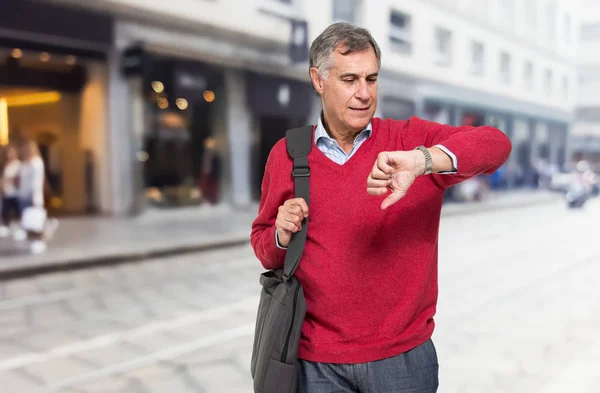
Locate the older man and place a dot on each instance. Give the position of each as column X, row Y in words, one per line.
column 369, row 268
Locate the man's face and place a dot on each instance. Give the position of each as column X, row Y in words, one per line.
column 349, row 93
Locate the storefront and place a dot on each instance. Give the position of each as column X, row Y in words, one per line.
column 180, row 160
column 52, row 91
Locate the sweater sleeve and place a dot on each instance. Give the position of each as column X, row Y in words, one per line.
column 479, row 150
column 277, row 187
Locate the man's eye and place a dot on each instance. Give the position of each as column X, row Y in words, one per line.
column 348, row 80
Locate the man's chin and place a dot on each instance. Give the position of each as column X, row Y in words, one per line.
column 361, row 121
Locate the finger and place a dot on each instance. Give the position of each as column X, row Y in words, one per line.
column 289, row 226
column 281, row 225
column 376, row 183
column 392, row 199
column 377, row 173
column 383, row 163
column 294, row 210
column 298, row 202
column 377, row 190
column 293, row 218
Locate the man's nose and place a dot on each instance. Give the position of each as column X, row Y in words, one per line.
column 362, row 90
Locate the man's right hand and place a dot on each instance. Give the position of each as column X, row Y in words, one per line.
column 289, row 219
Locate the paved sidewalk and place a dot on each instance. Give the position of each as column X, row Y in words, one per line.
column 90, row 241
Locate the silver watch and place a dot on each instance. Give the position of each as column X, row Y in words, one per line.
column 428, row 159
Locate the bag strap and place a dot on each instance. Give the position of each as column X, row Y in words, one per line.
column 299, row 143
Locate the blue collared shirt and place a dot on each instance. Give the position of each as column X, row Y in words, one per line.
column 332, row 149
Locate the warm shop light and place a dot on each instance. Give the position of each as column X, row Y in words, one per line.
column 33, row 99
column 45, row 57
column 181, row 103
column 143, row 156
column 17, row 53
column 3, row 122
column 162, row 103
column 158, row 86
column 209, row 96
column 71, row 60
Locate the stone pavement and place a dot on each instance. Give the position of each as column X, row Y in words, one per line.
column 518, row 312
column 86, row 241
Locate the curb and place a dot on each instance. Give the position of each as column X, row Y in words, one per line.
column 78, row 263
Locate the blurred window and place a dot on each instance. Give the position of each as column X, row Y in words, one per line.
column 548, row 82
column 400, row 32
column 550, row 15
column 528, row 76
column 531, row 14
column 565, row 87
column 590, row 32
column 508, row 8
column 588, row 74
column 477, row 55
column 504, row 68
column 344, row 10
column 443, row 47
column 567, row 29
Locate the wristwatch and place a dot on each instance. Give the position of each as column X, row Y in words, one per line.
column 428, row 159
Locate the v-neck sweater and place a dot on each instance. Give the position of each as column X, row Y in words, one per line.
column 370, row 275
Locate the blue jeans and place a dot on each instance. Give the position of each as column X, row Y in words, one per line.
column 415, row 371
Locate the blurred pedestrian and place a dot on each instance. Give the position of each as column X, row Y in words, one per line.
column 11, row 210
column 369, row 267
column 31, row 197
column 211, row 171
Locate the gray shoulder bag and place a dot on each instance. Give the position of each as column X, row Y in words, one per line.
column 282, row 306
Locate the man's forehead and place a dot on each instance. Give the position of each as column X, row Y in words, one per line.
column 355, row 69
column 361, row 63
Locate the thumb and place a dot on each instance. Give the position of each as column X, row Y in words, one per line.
column 392, row 198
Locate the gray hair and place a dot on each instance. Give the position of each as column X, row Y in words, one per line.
column 353, row 38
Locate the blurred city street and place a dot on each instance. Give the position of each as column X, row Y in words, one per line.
column 518, row 312
column 134, row 141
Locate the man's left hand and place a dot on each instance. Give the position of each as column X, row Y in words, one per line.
column 395, row 171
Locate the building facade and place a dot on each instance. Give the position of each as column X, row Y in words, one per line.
column 186, row 82
column 501, row 62
column 585, row 138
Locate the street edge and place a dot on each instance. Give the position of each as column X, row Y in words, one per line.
column 136, row 256
column 492, row 209
column 115, row 259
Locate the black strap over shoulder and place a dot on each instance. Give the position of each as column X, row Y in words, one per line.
column 299, row 143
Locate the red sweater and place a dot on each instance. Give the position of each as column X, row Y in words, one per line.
column 370, row 276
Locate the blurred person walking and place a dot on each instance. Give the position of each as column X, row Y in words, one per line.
column 369, row 266
column 11, row 209
column 31, row 197
column 211, row 171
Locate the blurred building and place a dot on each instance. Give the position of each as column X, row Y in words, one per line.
column 507, row 63
column 166, row 86
column 585, row 138
column 53, row 74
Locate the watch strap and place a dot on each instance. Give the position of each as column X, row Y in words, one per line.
column 428, row 159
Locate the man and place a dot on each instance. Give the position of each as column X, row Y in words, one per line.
column 369, row 268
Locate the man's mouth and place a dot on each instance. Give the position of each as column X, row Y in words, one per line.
column 360, row 109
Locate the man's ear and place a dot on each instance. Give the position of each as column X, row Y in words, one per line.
column 316, row 80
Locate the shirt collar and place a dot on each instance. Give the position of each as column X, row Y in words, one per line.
column 320, row 131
